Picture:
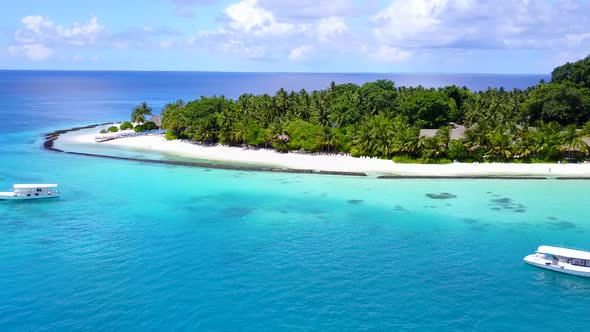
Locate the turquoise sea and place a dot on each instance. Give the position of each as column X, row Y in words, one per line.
column 130, row 246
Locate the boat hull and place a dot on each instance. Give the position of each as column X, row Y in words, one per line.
column 562, row 268
column 12, row 197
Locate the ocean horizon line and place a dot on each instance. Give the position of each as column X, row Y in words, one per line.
column 275, row 72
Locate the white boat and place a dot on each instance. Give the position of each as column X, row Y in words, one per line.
column 30, row 191
column 564, row 260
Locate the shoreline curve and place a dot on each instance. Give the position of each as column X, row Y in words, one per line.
column 50, row 138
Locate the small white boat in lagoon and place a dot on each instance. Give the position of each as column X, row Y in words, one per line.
column 30, row 191
column 564, row 260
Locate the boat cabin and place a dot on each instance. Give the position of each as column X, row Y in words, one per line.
column 560, row 259
column 564, row 255
column 30, row 190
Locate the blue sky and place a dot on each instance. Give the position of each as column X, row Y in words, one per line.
column 433, row 36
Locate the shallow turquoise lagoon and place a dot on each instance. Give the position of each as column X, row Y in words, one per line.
column 134, row 247
column 150, row 247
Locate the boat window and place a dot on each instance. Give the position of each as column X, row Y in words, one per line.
column 578, row 262
column 588, row 263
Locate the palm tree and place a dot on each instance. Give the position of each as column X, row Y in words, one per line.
column 281, row 101
column 225, row 121
column 319, row 108
column 277, row 136
column 501, row 144
column 364, row 141
column 547, row 140
column 525, row 142
column 476, row 136
column 571, row 139
column 303, row 105
column 139, row 113
column 173, row 117
column 205, row 134
column 239, row 131
column 384, row 139
column 443, row 139
column 332, row 88
column 266, row 107
column 427, row 147
column 328, row 138
column 474, row 110
column 410, row 141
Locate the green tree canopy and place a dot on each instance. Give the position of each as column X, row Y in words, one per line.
column 140, row 112
column 577, row 73
column 427, row 108
column 561, row 102
column 379, row 119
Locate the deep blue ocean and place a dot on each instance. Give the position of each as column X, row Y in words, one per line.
column 141, row 247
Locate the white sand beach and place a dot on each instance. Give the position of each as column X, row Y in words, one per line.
column 324, row 162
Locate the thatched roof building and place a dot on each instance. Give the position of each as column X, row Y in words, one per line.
column 428, row 133
column 457, row 132
column 157, row 119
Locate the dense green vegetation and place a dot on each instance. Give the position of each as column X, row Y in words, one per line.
column 381, row 120
column 170, row 136
column 577, row 73
column 126, row 125
column 145, row 127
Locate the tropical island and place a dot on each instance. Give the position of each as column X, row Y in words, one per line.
column 378, row 119
column 548, row 123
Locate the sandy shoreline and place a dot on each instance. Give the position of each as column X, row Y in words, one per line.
column 326, row 163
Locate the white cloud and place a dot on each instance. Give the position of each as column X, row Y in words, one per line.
column 35, row 52
column 247, row 16
column 41, row 36
column 471, row 24
column 146, row 37
column 248, row 50
column 399, row 30
column 299, row 53
column 254, row 31
column 416, row 23
column 577, row 39
column 41, row 29
column 311, row 10
column 36, row 23
column 373, row 30
column 329, row 27
column 391, row 54
column 81, row 34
